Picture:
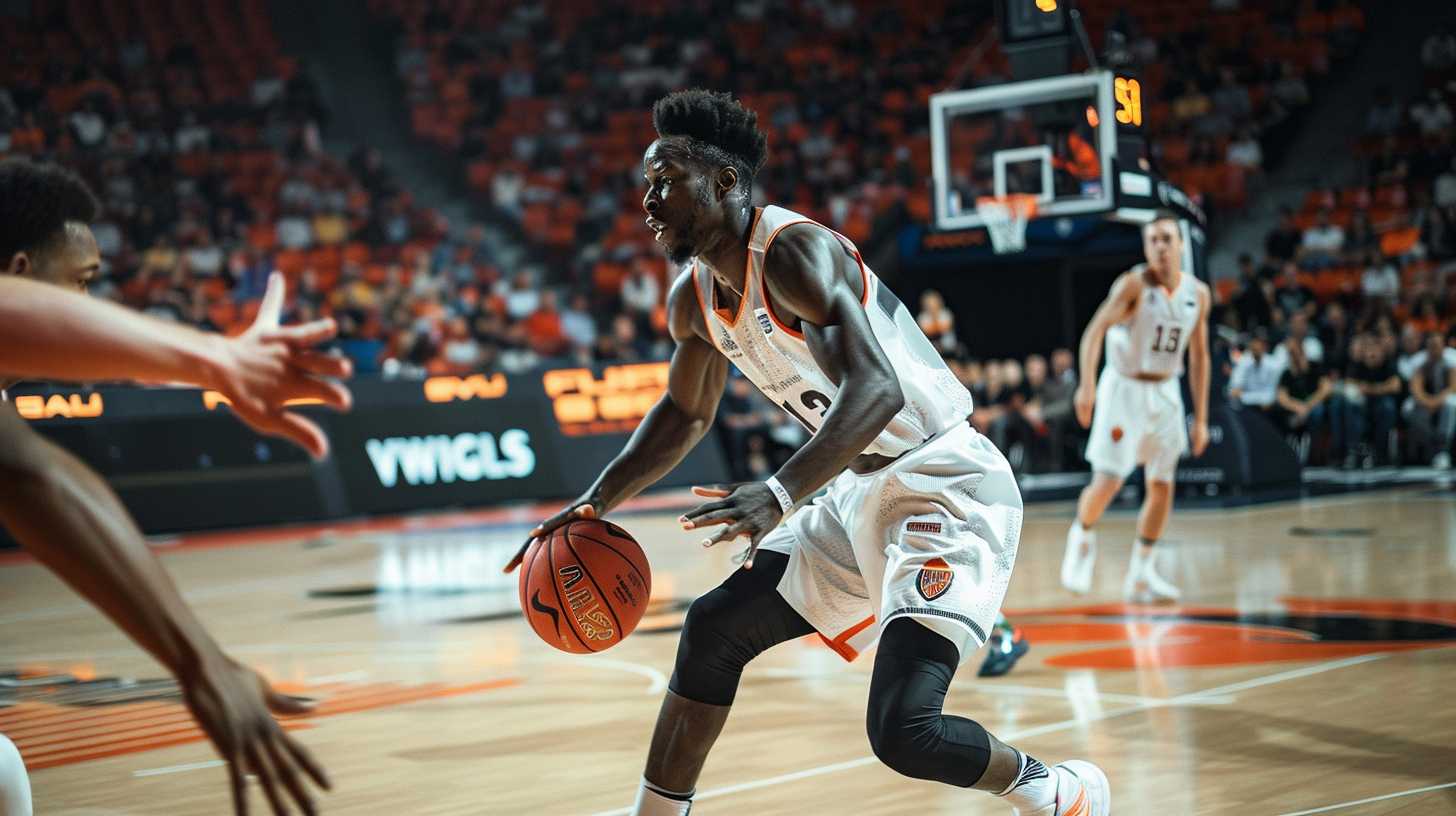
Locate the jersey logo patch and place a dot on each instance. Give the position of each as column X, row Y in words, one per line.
column 1190, row 303
column 934, row 580
column 922, row 527
column 763, row 321
column 1116, row 433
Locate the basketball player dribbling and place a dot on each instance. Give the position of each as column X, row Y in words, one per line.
column 913, row 542
column 1154, row 313
column 65, row 515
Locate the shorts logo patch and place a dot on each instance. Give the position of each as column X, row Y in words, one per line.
column 935, row 578
column 1116, row 433
column 922, row 527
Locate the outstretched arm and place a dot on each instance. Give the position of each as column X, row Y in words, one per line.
column 1119, row 303
column 67, row 517
column 50, row 333
column 671, row 429
column 811, row 275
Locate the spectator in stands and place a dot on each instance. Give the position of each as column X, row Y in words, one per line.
column 1390, row 165
column 1430, row 412
column 641, row 294
column 1299, row 333
column 1293, row 297
column 1052, row 395
column 1384, row 117
column 1321, row 244
column 1303, row 392
column 577, row 323
column 1255, row 381
column 937, row 321
column 1360, row 239
column 1282, row 242
column 1368, row 399
column 1254, row 303
column 544, row 333
column 741, row 417
column 1334, row 334
column 521, row 296
column 1432, row 115
column 1012, row 431
column 1246, row 152
column 1444, row 191
column 460, row 353
column 1380, row 282
column 1412, row 352
column 1438, row 53
column 1064, row 367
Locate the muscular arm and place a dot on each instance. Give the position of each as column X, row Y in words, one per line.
column 811, row 275
column 71, row 521
column 673, row 427
column 1120, row 302
column 1199, row 363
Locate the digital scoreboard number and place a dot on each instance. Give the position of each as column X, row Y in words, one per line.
column 1127, row 95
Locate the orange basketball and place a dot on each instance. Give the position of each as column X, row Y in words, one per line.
column 585, row 586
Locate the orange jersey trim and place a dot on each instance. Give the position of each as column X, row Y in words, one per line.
column 840, row 644
column 864, row 274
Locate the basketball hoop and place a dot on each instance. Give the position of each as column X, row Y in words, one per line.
column 1006, row 218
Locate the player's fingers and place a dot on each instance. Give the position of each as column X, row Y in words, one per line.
column 518, row 557
column 299, row 430
column 271, row 309
column 716, row 491
column 238, row 783
column 728, row 533
column 702, row 509
column 709, row 519
column 283, row 768
column 586, row 511
column 288, row 704
column 266, row 780
column 306, row 761
column 303, row 335
column 752, row 550
column 322, row 364
column 330, row 393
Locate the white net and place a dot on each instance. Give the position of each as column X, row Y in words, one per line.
column 1006, row 220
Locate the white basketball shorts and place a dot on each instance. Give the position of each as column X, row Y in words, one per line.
column 931, row 536
column 1137, row 423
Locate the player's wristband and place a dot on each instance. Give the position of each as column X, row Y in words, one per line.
column 786, row 502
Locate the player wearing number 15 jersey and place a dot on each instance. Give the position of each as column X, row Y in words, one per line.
column 913, row 542
column 1154, row 313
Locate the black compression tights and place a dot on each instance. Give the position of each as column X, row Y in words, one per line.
column 745, row 616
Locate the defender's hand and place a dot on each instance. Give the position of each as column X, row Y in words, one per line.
column 749, row 509
column 232, row 703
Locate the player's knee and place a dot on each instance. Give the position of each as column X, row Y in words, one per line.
column 14, row 785
column 711, row 652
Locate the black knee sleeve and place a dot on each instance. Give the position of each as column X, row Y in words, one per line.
column 730, row 626
column 907, row 730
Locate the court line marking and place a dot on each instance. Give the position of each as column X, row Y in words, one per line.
column 1411, row 792
column 1183, row 699
column 171, row 769
column 659, row 680
column 1011, row 690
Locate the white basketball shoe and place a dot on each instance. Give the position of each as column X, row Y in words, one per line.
column 1079, row 559
column 1082, row 790
column 1143, row 584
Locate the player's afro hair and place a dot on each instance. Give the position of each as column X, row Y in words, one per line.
column 721, row 129
column 36, row 202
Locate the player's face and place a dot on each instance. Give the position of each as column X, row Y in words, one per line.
column 678, row 202
column 72, row 261
column 1162, row 245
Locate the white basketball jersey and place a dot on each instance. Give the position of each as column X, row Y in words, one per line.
column 777, row 359
column 1153, row 339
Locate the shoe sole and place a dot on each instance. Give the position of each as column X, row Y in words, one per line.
column 1094, row 782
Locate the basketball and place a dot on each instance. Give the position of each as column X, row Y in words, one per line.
column 585, row 586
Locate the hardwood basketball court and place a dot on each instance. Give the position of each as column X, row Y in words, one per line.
column 1310, row 672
